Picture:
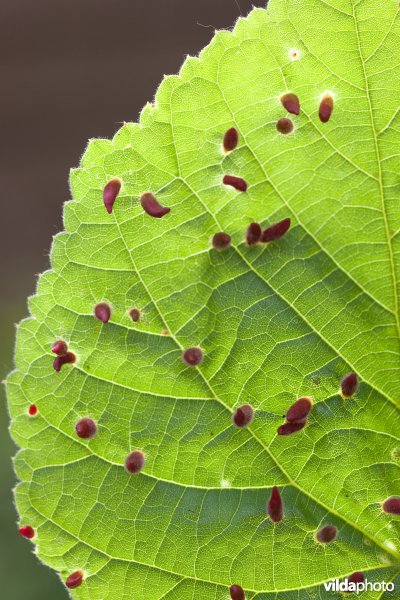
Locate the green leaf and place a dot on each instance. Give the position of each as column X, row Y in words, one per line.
column 275, row 322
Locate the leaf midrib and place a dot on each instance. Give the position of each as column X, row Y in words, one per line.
column 395, row 312
column 181, row 347
column 376, row 567
column 380, row 179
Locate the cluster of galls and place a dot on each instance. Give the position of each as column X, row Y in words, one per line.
column 63, row 356
column 296, row 417
column 254, row 235
column 298, row 413
column 102, row 312
column 220, row 240
column 148, row 201
column 292, row 104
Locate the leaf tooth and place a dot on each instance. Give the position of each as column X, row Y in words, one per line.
column 285, row 126
column 64, row 359
column 110, row 193
column 74, row 580
column 193, row 357
column 102, row 312
column 275, row 506
column 237, row 183
column 86, row 428
column 327, row 534
column 243, row 416
column 326, row 107
column 231, row 139
column 237, row 592
column 253, row 234
column 134, row 462
column 152, row 207
column 221, row 240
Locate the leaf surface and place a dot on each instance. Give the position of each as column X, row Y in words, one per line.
column 275, row 322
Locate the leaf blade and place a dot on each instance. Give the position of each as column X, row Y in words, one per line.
column 130, row 377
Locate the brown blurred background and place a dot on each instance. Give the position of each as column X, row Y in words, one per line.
column 56, row 57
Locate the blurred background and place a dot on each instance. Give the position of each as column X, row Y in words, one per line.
column 55, row 59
